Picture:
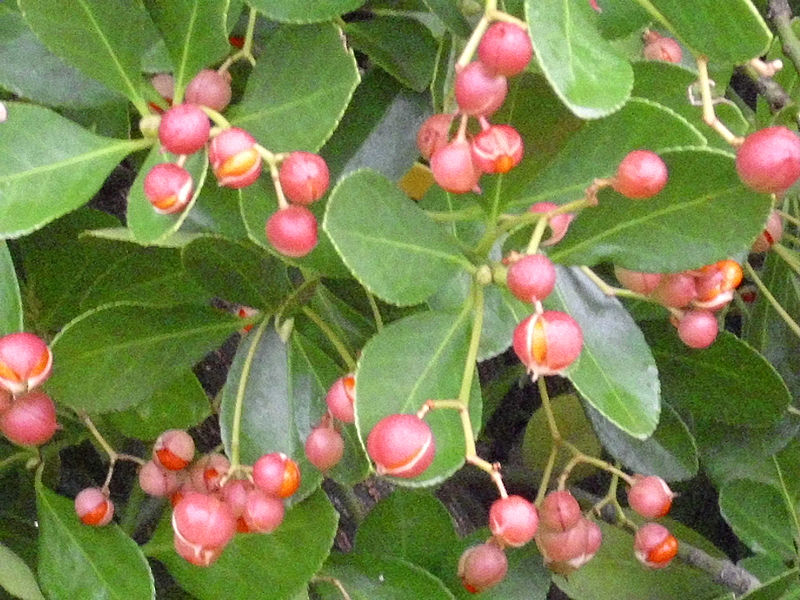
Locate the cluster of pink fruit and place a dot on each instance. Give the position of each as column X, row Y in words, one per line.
column 236, row 161
column 694, row 296
column 324, row 446
column 27, row 414
column 210, row 506
column 480, row 89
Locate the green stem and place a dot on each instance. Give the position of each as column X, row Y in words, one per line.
column 789, row 502
column 788, row 257
column 548, row 471
column 472, row 352
column 548, row 411
column 247, row 48
column 781, row 15
column 772, row 300
column 376, row 313
column 332, row 337
column 464, row 214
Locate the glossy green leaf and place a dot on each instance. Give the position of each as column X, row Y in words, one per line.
column 670, row 453
column 216, row 210
column 16, row 577
column 76, row 561
column 294, row 100
column 415, row 359
column 781, row 587
column 367, row 576
column 10, row 300
column 615, row 373
column 615, row 573
column 763, row 566
column 179, row 405
column 236, row 271
column 260, row 381
column 50, row 167
column 758, row 515
column 278, row 565
column 621, row 18
column 118, row 355
column 123, row 234
column 87, row 34
column 301, row 11
column 728, row 381
column 194, row 32
column 451, row 16
column 52, row 82
column 599, row 146
column 703, row 188
column 410, row 524
column 401, row 46
column 731, row 32
column 398, row 254
column 258, row 203
column 148, row 226
column 146, row 276
column 586, row 72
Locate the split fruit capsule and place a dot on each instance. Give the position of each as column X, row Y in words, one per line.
column 650, row 496
column 234, row 159
column 168, row 188
column 203, row 525
column 25, row 362
column 655, row 546
column 173, row 450
column 548, row 343
column 401, row 446
column 94, row 507
column 341, row 398
column 513, row 520
column 481, row 567
column 276, row 474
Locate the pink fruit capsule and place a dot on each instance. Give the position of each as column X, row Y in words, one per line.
column 30, row 420
column 292, row 231
column 324, row 447
column 234, row 159
column 184, row 129
column 560, row 511
column 25, row 362
column 637, row 281
column 157, row 481
column 655, row 546
column 168, row 188
column 558, row 223
column 304, row 177
column 505, row 48
column 650, row 496
column 548, row 343
column 497, row 149
column 698, row 328
column 433, row 134
column 210, row 88
column 454, row 169
column 276, row 474
column 513, row 520
column 531, row 278
column 174, row 449
column 401, row 446
column 262, row 513
column 203, row 520
column 769, row 160
column 641, row 174
column 341, row 398
column 478, row 91
column 482, row 567
column 93, row 507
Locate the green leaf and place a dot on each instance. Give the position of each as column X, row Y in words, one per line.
column 451, row 16
column 728, row 381
column 615, row 373
column 398, row 254
column 50, row 167
column 621, row 18
column 52, row 82
column 236, row 271
column 367, row 576
column 758, row 515
column 301, row 11
column 179, row 405
column 670, row 453
column 16, row 577
column 87, row 33
column 294, row 100
column 403, row 47
column 732, row 32
column 148, row 226
column 410, row 361
column 782, row 587
column 10, row 300
column 118, row 355
column 410, row 524
column 586, row 72
column 194, row 32
column 216, row 210
column 271, row 407
column 763, row 566
column 76, row 561
column 254, row 565
column 597, row 149
column 703, row 188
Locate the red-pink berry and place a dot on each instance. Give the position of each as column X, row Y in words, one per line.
column 514, row 520
column 324, row 447
column 650, row 496
column 210, row 88
column 453, row 168
column 168, row 188
column 196, row 554
column 262, row 512
column 558, row 223
column 531, row 278
column 234, row 494
column 568, row 550
column 637, row 281
column 675, row 289
column 658, row 47
column 6, row 399
column 157, row 481
column 207, row 472
column 478, row 91
column 655, row 546
column 497, row 149
column 548, row 343
column 559, row 511
column 174, row 449
column 481, row 567
column 25, row 362
column 401, row 446
column 292, row 231
column 164, row 84
column 505, row 48
column 30, row 420
column 203, row 520
column 772, row 234
column 304, row 177
column 698, row 328
column 94, row 507
column 184, row 129
column 641, row 174
column 234, row 159
column 433, row 134
column 769, row 160
column 341, row 397
column 276, row 474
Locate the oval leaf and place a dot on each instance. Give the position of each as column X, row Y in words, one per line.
column 10, row 299
column 118, row 355
column 50, row 166
column 76, row 561
column 294, row 100
column 615, row 373
column 302, row 11
column 412, row 360
column 398, row 253
column 16, row 577
column 586, row 72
